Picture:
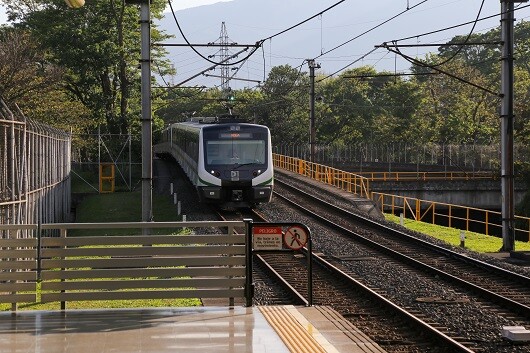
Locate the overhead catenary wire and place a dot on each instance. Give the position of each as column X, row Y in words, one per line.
column 304, row 21
column 362, row 34
column 363, row 57
column 461, row 46
column 453, row 27
column 420, row 63
column 345, row 67
column 258, row 43
column 436, row 66
column 371, row 29
column 411, row 37
column 222, row 63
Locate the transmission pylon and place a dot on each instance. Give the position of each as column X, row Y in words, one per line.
column 224, row 54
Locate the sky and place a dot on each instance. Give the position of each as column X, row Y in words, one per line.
column 177, row 5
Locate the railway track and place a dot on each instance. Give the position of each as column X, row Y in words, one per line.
column 509, row 289
column 465, row 282
column 392, row 327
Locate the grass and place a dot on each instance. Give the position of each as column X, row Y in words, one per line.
column 473, row 241
column 105, row 304
column 84, row 181
column 122, row 207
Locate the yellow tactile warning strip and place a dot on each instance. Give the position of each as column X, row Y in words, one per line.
column 297, row 338
column 317, row 329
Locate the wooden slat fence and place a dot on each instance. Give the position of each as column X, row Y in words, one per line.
column 74, row 268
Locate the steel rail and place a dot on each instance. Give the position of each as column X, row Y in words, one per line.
column 443, row 338
column 439, row 336
column 500, row 299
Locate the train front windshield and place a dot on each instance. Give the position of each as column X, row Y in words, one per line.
column 235, row 151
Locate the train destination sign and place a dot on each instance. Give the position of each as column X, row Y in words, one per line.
column 267, row 238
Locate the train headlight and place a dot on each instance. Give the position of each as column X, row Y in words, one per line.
column 215, row 173
column 256, row 172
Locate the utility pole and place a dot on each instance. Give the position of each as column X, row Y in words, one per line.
column 312, row 130
column 507, row 118
column 147, row 122
column 146, row 118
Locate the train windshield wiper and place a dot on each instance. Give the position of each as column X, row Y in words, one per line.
column 243, row 164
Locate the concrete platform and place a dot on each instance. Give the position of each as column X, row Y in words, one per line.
column 521, row 258
column 364, row 205
column 280, row 329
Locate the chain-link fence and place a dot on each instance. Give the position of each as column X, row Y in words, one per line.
column 90, row 151
column 393, row 155
column 34, row 170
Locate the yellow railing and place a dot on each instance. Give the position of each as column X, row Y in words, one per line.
column 417, row 209
column 426, row 176
column 350, row 182
column 448, row 214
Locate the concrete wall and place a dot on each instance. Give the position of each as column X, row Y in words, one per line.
column 474, row 193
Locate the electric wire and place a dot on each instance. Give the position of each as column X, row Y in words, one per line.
column 160, row 72
column 452, row 27
column 258, row 43
column 304, row 21
column 350, row 64
column 371, row 29
column 411, row 37
column 201, row 55
column 419, row 63
column 460, row 45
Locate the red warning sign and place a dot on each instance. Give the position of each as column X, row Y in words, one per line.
column 267, row 238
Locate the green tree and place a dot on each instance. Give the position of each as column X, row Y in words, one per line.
column 348, row 108
column 398, row 103
column 98, row 46
column 458, row 113
column 284, row 107
column 33, row 84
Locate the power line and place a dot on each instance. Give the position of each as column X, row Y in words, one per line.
column 420, row 63
column 411, row 37
column 453, row 27
column 462, row 45
column 371, row 29
column 304, row 21
column 391, row 75
column 350, row 64
column 257, row 45
column 435, row 44
column 362, row 34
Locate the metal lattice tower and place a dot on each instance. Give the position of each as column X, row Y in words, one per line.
column 223, row 53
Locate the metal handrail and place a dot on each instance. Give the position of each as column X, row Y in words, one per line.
column 419, row 210
column 427, row 176
column 351, row 182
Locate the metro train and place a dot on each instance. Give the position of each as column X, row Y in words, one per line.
column 228, row 161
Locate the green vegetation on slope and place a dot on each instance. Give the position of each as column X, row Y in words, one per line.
column 473, row 241
column 123, row 207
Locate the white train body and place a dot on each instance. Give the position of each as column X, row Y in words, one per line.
column 228, row 162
